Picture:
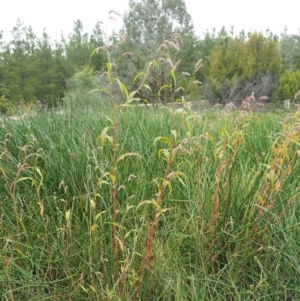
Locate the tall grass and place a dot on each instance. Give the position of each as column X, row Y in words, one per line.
column 105, row 200
column 227, row 226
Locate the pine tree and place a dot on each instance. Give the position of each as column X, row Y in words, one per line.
column 20, row 57
column 49, row 86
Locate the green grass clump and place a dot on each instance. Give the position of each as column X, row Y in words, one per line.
column 223, row 188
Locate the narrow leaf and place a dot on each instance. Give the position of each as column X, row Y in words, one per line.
column 138, row 76
column 166, row 86
column 122, row 87
column 99, row 90
column 103, row 136
column 163, row 139
column 173, row 76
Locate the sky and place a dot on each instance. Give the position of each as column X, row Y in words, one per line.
column 57, row 16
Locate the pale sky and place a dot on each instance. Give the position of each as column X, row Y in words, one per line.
column 58, row 15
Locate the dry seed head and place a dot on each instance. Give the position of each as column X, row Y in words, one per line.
column 32, row 138
column 98, row 23
column 198, row 65
column 196, row 69
column 171, row 174
column 177, row 36
column 114, row 12
column 265, row 97
column 121, row 187
column 250, row 98
column 197, row 82
column 162, row 46
column 130, row 177
column 117, row 34
column 161, row 59
column 170, row 63
column 178, row 89
column 230, row 106
column 101, row 48
column 127, row 53
column 185, row 141
column 121, row 36
column 62, row 183
column 176, row 65
column 172, row 44
column 186, row 73
column 245, row 104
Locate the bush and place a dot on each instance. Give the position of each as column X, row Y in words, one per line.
column 289, row 84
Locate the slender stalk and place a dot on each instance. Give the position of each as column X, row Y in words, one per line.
column 115, row 203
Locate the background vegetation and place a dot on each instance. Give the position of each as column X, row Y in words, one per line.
column 235, row 65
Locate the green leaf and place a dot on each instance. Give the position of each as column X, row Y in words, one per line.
column 99, row 214
column 107, row 118
column 108, row 67
column 164, row 140
column 173, row 75
column 24, row 179
column 174, row 133
column 117, row 225
column 154, row 63
column 131, row 98
column 104, row 136
column 138, row 76
column 166, row 86
column 163, row 211
column 39, row 172
column 164, row 152
column 127, row 234
column 99, row 90
column 113, row 178
column 122, row 87
column 93, row 52
column 147, row 87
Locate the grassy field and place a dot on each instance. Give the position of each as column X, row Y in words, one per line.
column 163, row 207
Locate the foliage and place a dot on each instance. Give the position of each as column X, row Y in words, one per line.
column 34, row 68
column 290, row 51
column 83, row 80
column 289, row 84
column 37, row 69
column 237, row 62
